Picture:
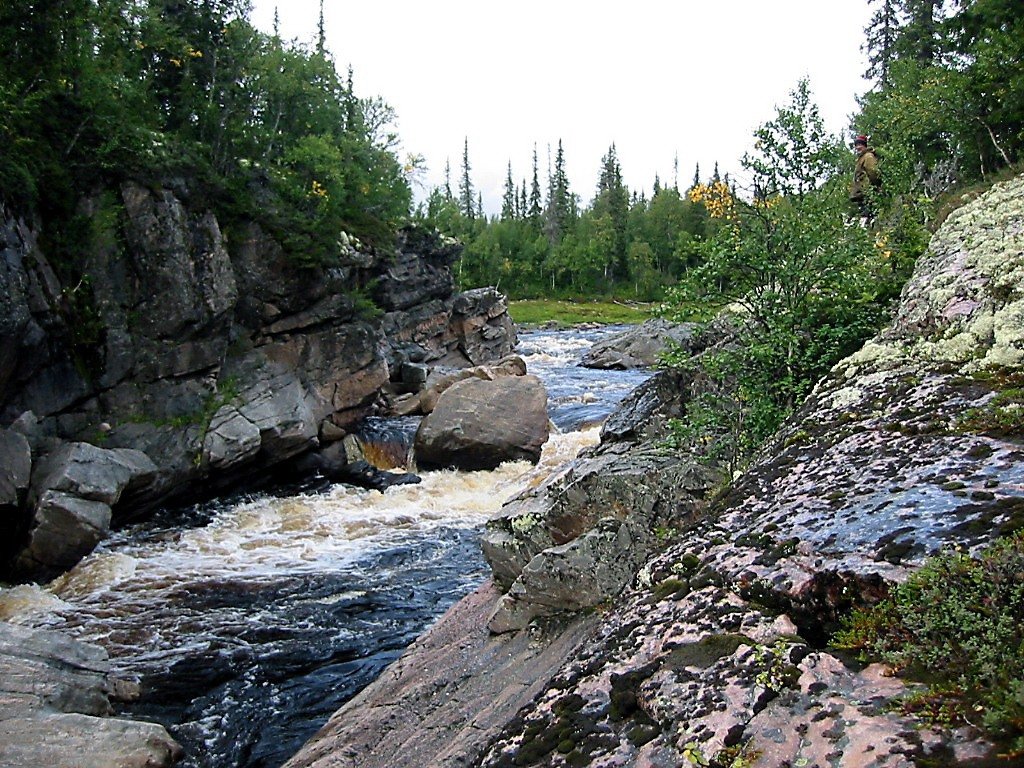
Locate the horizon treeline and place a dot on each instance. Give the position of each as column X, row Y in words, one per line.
column 946, row 108
column 623, row 243
column 94, row 92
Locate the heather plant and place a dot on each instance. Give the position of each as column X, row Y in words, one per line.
column 957, row 624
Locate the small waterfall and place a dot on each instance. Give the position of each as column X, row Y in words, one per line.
column 386, row 443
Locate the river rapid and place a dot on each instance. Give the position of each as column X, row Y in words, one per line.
column 250, row 619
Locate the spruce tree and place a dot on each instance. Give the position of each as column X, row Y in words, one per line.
column 321, row 33
column 881, row 35
column 919, row 38
column 467, row 201
column 508, row 201
column 535, row 196
column 560, row 210
column 613, row 201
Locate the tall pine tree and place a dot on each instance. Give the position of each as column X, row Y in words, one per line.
column 880, row 40
column 467, row 201
column 508, row 201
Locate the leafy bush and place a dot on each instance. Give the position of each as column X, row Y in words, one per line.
column 957, row 624
column 805, row 283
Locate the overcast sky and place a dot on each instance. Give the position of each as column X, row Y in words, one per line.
column 658, row 78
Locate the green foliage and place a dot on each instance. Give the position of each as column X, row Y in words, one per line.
column 1003, row 415
column 804, row 285
column 957, row 624
column 729, row 417
column 775, row 671
column 93, row 92
column 948, row 103
column 622, row 245
column 793, row 155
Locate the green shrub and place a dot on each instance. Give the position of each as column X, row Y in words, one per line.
column 957, row 624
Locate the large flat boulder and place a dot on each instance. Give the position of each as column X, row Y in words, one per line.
column 480, row 423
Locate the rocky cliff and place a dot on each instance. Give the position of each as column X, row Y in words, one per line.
column 183, row 358
column 705, row 634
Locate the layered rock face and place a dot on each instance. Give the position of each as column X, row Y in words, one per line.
column 716, row 648
column 188, row 358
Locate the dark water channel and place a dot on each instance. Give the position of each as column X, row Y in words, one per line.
column 249, row 620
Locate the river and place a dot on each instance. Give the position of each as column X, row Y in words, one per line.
column 249, row 620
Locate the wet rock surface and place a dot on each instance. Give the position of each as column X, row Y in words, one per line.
column 55, row 706
column 448, row 694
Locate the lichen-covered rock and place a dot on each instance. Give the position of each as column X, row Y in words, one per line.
column 910, row 446
column 718, row 649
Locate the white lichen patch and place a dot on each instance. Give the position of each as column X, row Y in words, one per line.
column 873, row 356
column 523, row 524
column 965, row 302
column 1007, row 348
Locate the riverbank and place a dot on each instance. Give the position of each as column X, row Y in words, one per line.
column 532, row 313
column 718, row 649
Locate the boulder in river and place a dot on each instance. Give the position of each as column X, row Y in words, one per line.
column 479, row 424
column 72, row 493
column 640, row 346
column 437, row 380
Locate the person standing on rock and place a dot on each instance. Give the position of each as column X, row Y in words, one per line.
column 866, row 179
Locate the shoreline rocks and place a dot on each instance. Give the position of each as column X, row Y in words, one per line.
column 642, row 345
column 717, row 648
column 55, row 707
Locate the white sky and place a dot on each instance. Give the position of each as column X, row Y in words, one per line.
column 659, row 78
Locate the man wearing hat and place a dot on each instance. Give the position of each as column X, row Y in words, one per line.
column 865, row 175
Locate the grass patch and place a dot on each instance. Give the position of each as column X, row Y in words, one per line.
column 568, row 313
column 957, row 624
